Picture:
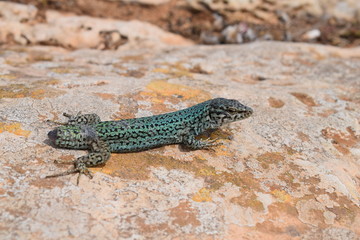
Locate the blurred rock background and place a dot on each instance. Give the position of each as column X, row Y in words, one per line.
column 333, row 22
column 290, row 171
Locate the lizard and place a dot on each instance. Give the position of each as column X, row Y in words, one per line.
column 102, row 138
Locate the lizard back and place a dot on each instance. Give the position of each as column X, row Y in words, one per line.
column 137, row 134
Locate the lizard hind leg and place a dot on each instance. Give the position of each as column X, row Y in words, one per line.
column 78, row 119
column 82, row 119
column 99, row 154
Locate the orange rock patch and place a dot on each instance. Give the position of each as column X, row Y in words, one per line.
column 342, row 141
column 304, row 98
column 275, row 103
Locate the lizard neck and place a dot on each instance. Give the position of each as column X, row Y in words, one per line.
column 203, row 121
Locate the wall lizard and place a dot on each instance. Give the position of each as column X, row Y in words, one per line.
column 138, row 134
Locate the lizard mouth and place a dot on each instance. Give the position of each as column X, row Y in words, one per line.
column 52, row 135
column 248, row 112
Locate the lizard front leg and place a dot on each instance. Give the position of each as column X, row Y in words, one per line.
column 191, row 142
column 99, row 154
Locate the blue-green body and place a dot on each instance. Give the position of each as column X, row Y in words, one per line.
column 149, row 132
column 131, row 135
column 138, row 134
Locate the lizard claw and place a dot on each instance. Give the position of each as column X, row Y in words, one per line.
column 55, row 122
column 63, row 162
column 86, row 172
column 68, row 172
column 71, row 116
column 208, row 143
column 211, row 142
column 80, row 168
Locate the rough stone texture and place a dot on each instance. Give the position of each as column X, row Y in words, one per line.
column 17, row 12
column 291, row 171
column 344, row 9
column 81, row 31
column 145, row 2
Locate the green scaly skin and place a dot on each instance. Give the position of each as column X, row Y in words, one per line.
column 138, row 134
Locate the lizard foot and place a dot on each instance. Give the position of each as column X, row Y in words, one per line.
column 208, row 143
column 55, row 122
column 70, row 117
column 83, row 119
column 79, row 168
column 195, row 144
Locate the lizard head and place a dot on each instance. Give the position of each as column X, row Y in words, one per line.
column 224, row 111
column 72, row 136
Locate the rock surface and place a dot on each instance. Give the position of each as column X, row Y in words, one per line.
column 344, row 9
column 17, row 12
column 291, row 171
column 81, row 31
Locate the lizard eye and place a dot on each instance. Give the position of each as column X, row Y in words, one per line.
column 232, row 110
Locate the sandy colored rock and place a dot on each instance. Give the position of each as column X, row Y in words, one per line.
column 291, row 171
column 74, row 32
column 346, row 9
column 146, row 2
column 17, row 12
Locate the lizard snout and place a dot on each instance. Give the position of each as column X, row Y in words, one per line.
column 52, row 135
